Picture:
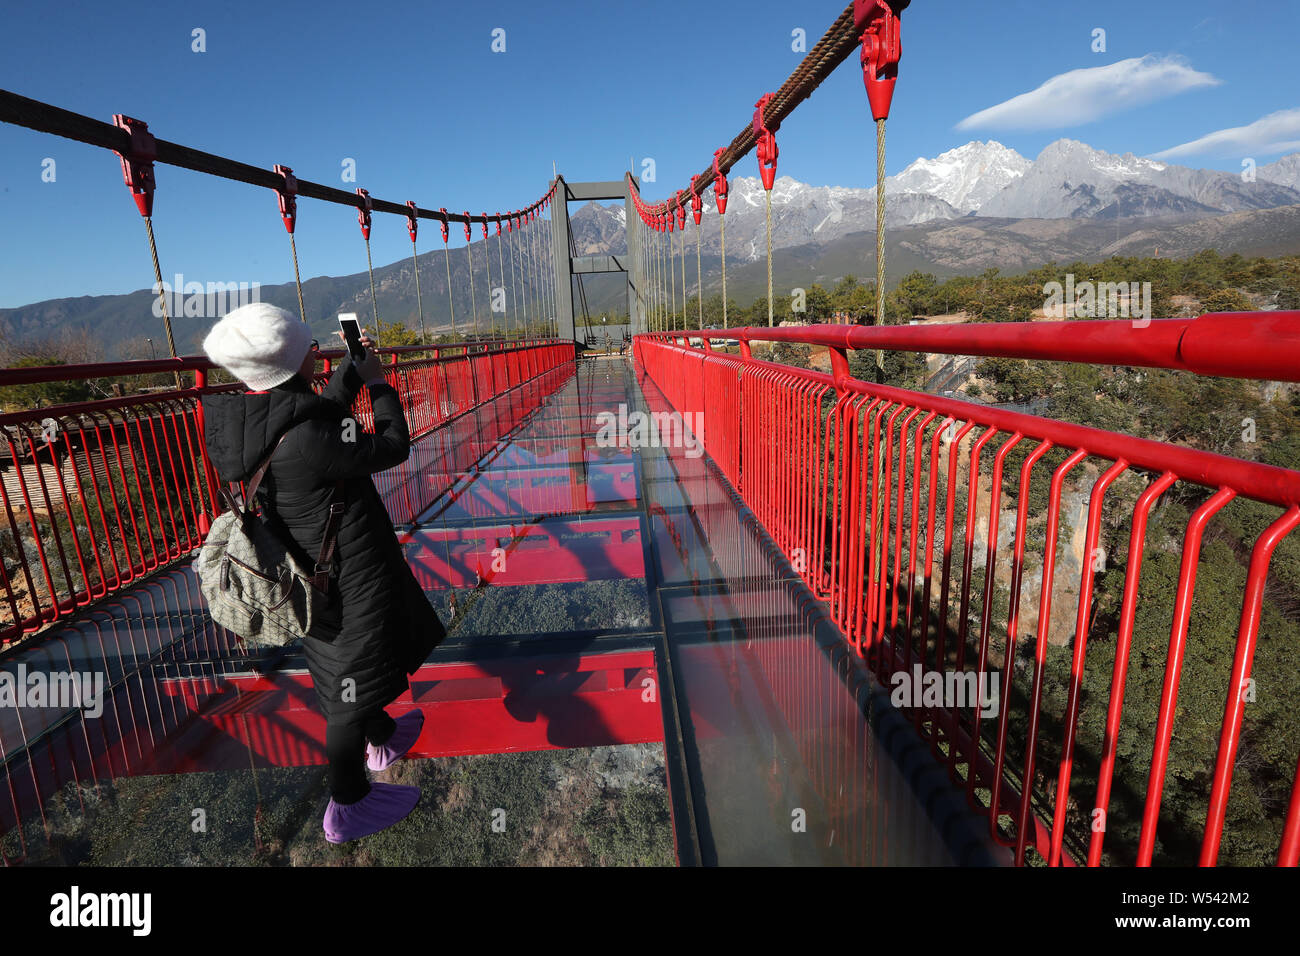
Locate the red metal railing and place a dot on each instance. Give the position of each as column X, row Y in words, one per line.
column 97, row 494
column 872, row 491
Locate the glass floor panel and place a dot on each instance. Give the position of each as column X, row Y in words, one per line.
column 629, row 674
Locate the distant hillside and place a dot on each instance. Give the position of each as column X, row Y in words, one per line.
column 118, row 322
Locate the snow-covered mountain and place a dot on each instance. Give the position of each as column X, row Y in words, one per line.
column 1284, row 172
column 1068, row 180
column 966, row 177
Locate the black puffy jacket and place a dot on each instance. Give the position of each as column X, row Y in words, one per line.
column 379, row 627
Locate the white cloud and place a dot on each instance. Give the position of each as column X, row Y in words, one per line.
column 1275, row 133
column 1082, row 96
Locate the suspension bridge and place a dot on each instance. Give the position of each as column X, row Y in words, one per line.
column 746, row 596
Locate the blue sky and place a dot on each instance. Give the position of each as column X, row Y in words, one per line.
column 413, row 92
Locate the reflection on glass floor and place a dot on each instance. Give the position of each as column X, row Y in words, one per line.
column 607, row 607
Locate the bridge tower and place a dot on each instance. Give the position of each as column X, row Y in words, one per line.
column 568, row 265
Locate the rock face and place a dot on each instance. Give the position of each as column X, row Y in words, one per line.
column 1284, row 172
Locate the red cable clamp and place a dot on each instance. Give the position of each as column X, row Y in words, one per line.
column 485, row 232
column 137, row 168
column 719, row 184
column 469, row 236
column 766, row 137
column 697, row 203
column 881, row 49
column 498, row 225
column 681, row 212
column 443, row 211
column 288, row 198
column 363, row 214
column 412, row 222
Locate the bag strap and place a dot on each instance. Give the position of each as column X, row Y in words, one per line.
column 251, row 494
column 320, row 580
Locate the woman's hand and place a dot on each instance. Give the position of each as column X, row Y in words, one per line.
column 366, row 341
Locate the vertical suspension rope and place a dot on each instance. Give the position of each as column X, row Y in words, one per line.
column 724, row 271
column 880, row 237
column 672, row 279
column 501, row 265
column 664, row 306
column 446, row 253
column 659, row 279
column 769, row 258
column 684, row 320
column 162, row 295
column 374, row 303
column 514, row 281
column 525, row 267
column 297, row 279
column 699, row 275
column 419, row 299
column 473, row 298
column 487, row 259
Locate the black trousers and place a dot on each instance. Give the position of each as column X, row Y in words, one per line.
column 345, row 748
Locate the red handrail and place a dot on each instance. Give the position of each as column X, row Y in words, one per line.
column 96, row 494
column 853, row 481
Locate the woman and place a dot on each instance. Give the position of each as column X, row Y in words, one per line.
column 379, row 626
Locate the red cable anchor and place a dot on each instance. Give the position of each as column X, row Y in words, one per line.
column 443, row 211
column 469, row 236
column 766, row 137
column 719, row 184
column 485, row 232
column 287, row 195
column 881, row 49
column 412, row 223
column 137, row 168
column 363, row 214
column 697, row 203
column 681, row 212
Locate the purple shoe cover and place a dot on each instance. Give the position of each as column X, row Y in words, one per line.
column 384, row 805
column 404, row 737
